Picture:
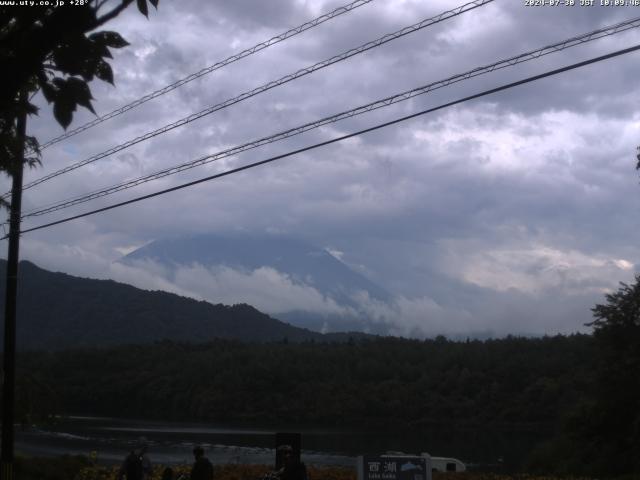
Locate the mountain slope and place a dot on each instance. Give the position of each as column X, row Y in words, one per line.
column 300, row 263
column 303, row 262
column 56, row 310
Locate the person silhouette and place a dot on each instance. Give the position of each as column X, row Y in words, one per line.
column 293, row 468
column 202, row 468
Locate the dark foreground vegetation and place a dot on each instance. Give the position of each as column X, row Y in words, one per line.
column 61, row 468
column 77, row 468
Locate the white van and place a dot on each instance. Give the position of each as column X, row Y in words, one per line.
column 435, row 464
column 446, row 464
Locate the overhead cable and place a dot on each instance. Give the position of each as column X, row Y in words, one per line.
column 515, row 60
column 338, row 139
column 205, row 71
column 268, row 86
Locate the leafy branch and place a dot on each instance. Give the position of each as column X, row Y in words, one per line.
column 58, row 52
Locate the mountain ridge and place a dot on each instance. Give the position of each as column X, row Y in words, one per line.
column 56, row 311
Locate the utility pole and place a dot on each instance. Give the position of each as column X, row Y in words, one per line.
column 11, row 291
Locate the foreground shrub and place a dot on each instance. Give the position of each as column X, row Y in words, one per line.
column 59, row 468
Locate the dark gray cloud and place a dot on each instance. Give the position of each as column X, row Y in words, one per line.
column 473, row 216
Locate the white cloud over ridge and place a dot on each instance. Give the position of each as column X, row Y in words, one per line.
column 265, row 288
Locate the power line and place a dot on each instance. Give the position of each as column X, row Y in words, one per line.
column 338, row 139
column 205, row 71
column 524, row 57
column 268, row 86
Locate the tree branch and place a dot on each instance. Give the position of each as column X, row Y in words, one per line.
column 113, row 13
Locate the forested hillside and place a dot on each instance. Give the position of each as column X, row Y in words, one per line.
column 513, row 382
column 57, row 311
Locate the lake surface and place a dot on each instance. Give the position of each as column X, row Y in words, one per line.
column 171, row 442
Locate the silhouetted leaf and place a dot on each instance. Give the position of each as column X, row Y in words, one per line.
column 77, row 91
column 48, row 90
column 63, row 113
column 32, row 109
column 69, row 60
column 142, row 6
column 154, row 3
column 100, row 49
column 110, row 39
column 104, row 72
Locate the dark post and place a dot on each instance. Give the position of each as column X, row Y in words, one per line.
column 9, row 367
column 294, row 440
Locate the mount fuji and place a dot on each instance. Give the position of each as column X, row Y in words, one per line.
column 287, row 278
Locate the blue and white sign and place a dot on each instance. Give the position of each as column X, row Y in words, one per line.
column 393, row 467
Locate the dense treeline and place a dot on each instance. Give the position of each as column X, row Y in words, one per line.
column 514, row 381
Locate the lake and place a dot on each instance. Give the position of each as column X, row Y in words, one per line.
column 172, row 442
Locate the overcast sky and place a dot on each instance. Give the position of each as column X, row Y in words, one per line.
column 513, row 213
